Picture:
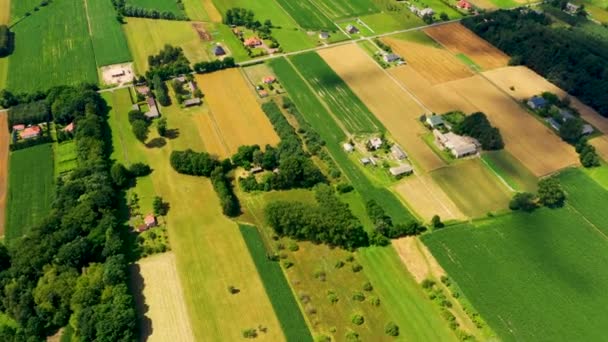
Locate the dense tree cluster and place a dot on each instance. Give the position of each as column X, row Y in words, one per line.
column 587, row 154
column 330, row 221
column 383, row 224
column 29, row 113
column 139, row 124
column 245, row 17
column 573, row 59
column 9, row 99
column 162, row 92
column 293, row 172
column 207, row 67
column 223, row 188
column 69, row 269
column 478, row 126
column 523, row 201
column 550, row 193
column 6, row 41
column 126, row 10
column 169, row 62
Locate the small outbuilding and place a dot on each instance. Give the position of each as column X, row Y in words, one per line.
column 391, row 57
column 218, row 50
column 324, row 35
column 153, row 112
column 375, row 143
column 352, row 29
column 537, row 102
column 256, row 169
column 269, row 79
column 397, row 152
column 150, row 221
column 252, row 42
column 348, row 147
column 434, row 120
column 195, row 101
column 69, row 128
column 365, row 161
column 587, row 129
column 401, row 170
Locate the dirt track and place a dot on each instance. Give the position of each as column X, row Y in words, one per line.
column 4, row 155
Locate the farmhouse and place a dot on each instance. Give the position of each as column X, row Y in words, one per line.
column 269, row 79
column 69, row 128
column 256, row 169
column 587, row 129
column 391, row 57
column 434, row 120
column 252, row 42
column 17, row 128
column 263, row 93
column 218, row 50
column 30, row 132
column 150, row 221
column 403, row 169
column 153, row 112
column 348, row 147
column 352, row 29
column 375, row 143
column 458, row 145
column 537, row 102
column 144, row 90
column 397, row 152
column 464, row 4
column 192, row 102
column 324, row 35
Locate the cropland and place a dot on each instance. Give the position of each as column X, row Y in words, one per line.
column 109, row 41
column 4, row 156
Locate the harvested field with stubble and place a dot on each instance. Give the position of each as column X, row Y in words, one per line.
column 5, row 12
column 459, row 39
column 527, row 139
column 235, row 111
column 435, row 64
column 160, row 302
column 386, row 99
column 426, row 198
column 4, row 142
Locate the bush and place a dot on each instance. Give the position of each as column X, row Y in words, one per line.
column 436, row 222
column 332, row 296
column 427, row 283
column 550, row 193
column 356, row 267
column 524, row 201
column 287, row 264
column 140, row 170
column 250, row 333
column 368, row 287
column 357, row 319
column 344, row 188
column 293, row 246
column 339, row 264
column 120, row 175
column 375, row 301
column 6, row 41
column 358, row 296
column 140, row 129
column 352, row 336
column 391, row 329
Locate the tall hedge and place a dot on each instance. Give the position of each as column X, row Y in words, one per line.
column 6, row 41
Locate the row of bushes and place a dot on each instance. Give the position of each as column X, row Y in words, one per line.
column 384, row 227
column 123, row 9
column 216, row 65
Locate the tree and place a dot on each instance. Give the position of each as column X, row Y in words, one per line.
column 139, row 170
column 550, row 193
column 524, row 201
column 160, row 207
column 391, row 329
column 571, row 130
column 140, row 129
column 443, row 16
column 436, row 222
column 161, row 127
column 120, row 175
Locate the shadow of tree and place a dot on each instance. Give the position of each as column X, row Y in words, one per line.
column 156, row 143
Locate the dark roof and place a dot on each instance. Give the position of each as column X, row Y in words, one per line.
column 218, row 50
column 538, row 101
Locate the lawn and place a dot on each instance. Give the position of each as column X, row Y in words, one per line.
column 109, row 42
column 30, row 188
column 511, row 170
column 473, row 188
column 318, row 117
column 307, row 15
column 532, row 277
column 506, row 3
column 159, row 5
column 65, row 157
column 340, row 99
column 59, row 54
column 337, row 9
column 277, row 288
column 389, row 21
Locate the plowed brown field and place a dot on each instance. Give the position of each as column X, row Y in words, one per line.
column 391, row 104
column 4, row 142
column 434, row 63
column 235, row 111
column 460, row 39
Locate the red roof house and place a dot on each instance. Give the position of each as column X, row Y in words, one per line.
column 30, row 132
column 269, row 79
column 69, row 128
column 252, row 42
column 464, row 4
column 150, row 221
column 18, row 128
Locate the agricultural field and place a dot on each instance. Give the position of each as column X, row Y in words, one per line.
column 159, row 5
column 339, row 9
column 351, row 112
column 109, row 42
column 60, row 54
column 386, row 99
column 280, row 293
column 202, row 10
column 473, row 187
column 234, row 110
column 460, row 40
column 307, row 15
column 510, row 170
column 525, row 273
column 160, row 301
column 210, row 252
column 586, row 196
column 65, row 157
column 5, row 12
column 389, row 20
column 30, row 188
column 4, row 157
column 434, row 63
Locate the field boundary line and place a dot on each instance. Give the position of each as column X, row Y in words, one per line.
column 360, row 21
column 590, row 223
column 340, row 28
column 497, row 175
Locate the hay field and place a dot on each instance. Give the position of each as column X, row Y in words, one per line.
column 459, row 39
column 235, row 110
column 527, row 139
column 160, row 301
column 385, row 98
column 4, row 142
column 426, row 198
column 202, row 10
column 5, row 12
column 434, row 63
column 474, row 188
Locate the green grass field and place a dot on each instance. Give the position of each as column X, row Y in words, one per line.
column 587, row 197
column 314, row 112
column 505, row 3
column 473, row 188
column 389, row 21
column 337, row 9
column 109, row 42
column 65, row 157
column 60, row 53
column 532, row 277
column 277, row 288
column 30, row 188
column 159, row 5
column 469, row 62
column 341, row 100
column 307, row 15
column 598, row 174
column 440, row 7
column 511, row 170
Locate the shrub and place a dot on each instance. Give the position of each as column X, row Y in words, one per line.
column 320, row 275
column 436, row 222
column 524, row 201
column 139, row 170
column 368, row 287
column 332, row 296
column 550, row 193
column 391, row 329
column 427, row 283
column 344, row 188
column 339, row 264
column 375, row 301
column 350, row 258
column 322, row 338
column 250, row 333
column 293, row 246
column 356, row 267
column 352, row 336
column 288, row 264
column 120, row 175
column 357, row 319
column 358, row 296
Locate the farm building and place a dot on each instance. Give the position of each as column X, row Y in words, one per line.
column 397, row 152
column 144, row 90
column 262, row 93
column 218, row 50
column 375, row 143
column 30, row 132
column 69, row 128
column 368, row 160
column 434, row 120
column 17, row 128
column 401, row 170
column 391, row 57
column 587, row 129
column 269, row 79
column 571, row 8
column 192, row 86
column 324, row 35
column 556, row 125
column 192, row 102
column 464, row 4
column 256, row 169
column 150, row 221
column 153, row 112
column 252, row 42
column 352, row 29
column 348, row 147
column 537, row 102
column 458, row 145
column 135, row 106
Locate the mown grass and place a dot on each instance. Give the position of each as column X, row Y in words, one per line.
column 318, row 117
column 341, row 100
column 30, row 188
column 587, row 197
column 307, row 15
column 336, row 9
column 527, row 274
column 277, row 288
column 65, row 157
column 389, row 21
column 511, row 170
column 52, row 47
column 109, row 42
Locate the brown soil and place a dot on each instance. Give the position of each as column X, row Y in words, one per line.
column 202, row 33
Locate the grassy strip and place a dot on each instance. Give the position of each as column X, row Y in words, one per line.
column 511, row 170
column 30, row 188
column 314, row 112
column 281, row 296
column 109, row 41
column 469, row 62
column 351, row 111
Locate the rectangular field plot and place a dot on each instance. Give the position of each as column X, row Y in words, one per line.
column 511, row 170
column 474, row 189
column 52, row 47
column 459, row 39
column 336, row 9
column 307, row 15
column 5, row 12
column 159, row 5
column 202, row 10
column 235, row 111
column 109, row 41
column 351, row 112
column 527, row 273
column 30, row 188
column 587, row 197
column 4, row 156
column 388, row 21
